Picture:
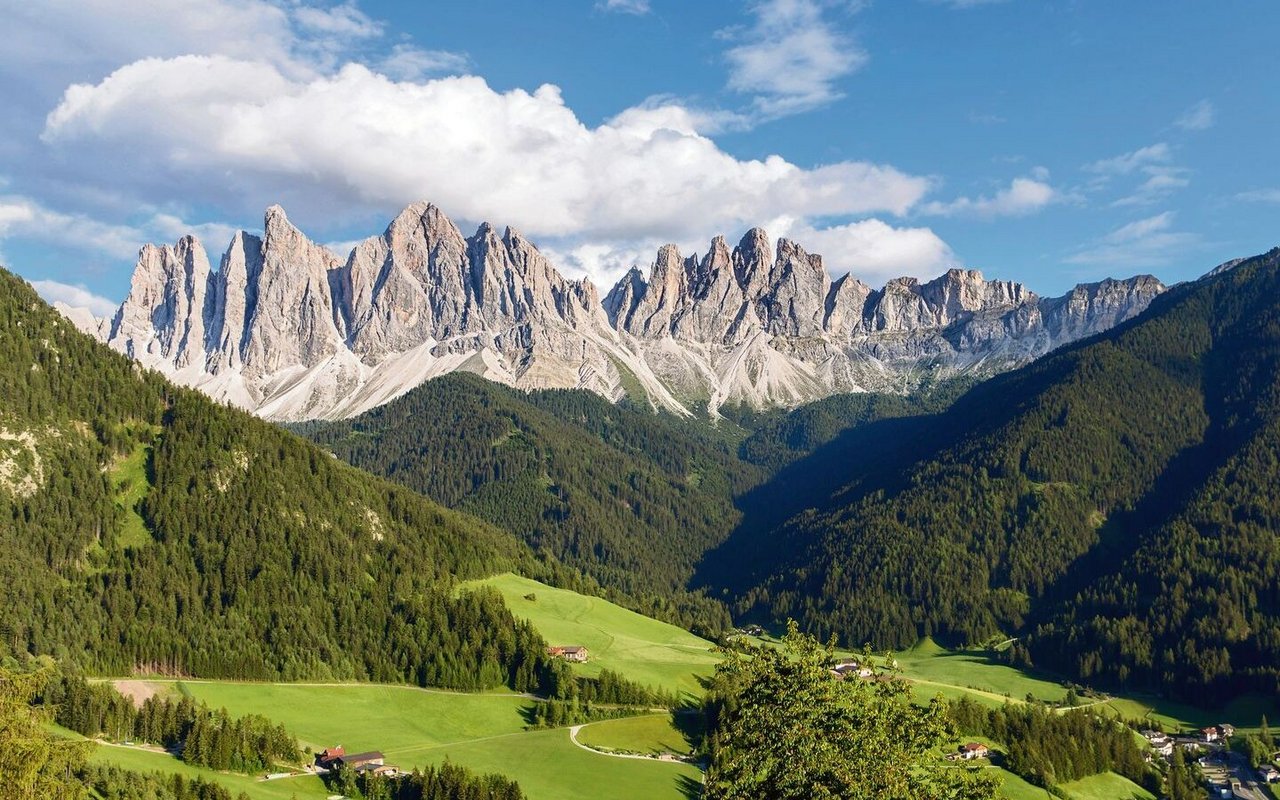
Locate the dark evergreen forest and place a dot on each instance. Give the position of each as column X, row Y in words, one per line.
column 260, row 555
column 1116, row 499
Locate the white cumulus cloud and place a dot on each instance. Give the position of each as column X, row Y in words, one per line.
column 871, row 249
column 1022, row 196
column 518, row 157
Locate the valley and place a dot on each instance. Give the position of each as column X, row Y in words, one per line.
column 536, row 592
column 489, row 732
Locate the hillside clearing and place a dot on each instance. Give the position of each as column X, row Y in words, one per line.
column 641, row 649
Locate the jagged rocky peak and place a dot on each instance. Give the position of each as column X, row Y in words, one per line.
column 164, row 313
column 286, row 328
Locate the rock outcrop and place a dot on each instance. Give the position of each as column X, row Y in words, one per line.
column 287, row 329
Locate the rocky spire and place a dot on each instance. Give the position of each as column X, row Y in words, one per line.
column 287, row 328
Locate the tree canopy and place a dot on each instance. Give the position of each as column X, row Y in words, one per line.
column 784, row 726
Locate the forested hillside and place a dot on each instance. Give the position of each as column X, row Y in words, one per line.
column 632, row 498
column 1147, row 454
column 145, row 527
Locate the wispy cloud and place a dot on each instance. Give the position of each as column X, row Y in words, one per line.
column 962, row 4
column 1152, row 163
column 986, row 119
column 1199, row 117
column 411, row 63
column 1127, row 163
column 637, row 7
column 1160, row 182
column 1260, row 196
column 25, row 218
column 1148, row 242
column 792, row 56
column 76, row 296
column 1022, row 196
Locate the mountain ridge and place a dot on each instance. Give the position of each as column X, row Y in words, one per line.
column 287, row 329
column 1112, row 505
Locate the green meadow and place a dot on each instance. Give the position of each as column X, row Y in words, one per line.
column 975, row 673
column 129, row 480
column 416, row 727
column 653, row 734
column 1107, row 786
column 487, row 732
column 642, row 649
column 140, row 760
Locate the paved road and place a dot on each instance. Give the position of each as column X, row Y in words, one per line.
column 1248, row 777
column 1236, row 767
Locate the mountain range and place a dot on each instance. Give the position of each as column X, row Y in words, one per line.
column 287, row 329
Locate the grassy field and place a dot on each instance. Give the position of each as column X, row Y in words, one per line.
column 652, row 733
column 662, row 655
column 551, row 767
column 415, row 727
column 139, row 760
column 1245, row 713
column 640, row 648
column 129, row 477
column 486, row 732
column 1107, row 786
column 977, row 674
column 370, row 716
column 1013, row 787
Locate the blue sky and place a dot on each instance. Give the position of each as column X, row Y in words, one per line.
column 1046, row 142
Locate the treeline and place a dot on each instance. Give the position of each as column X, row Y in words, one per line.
column 605, row 696
column 1049, row 747
column 446, row 782
column 629, row 497
column 113, row 783
column 201, row 736
column 1258, row 747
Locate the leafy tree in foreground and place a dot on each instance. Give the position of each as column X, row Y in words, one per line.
column 782, row 726
column 34, row 762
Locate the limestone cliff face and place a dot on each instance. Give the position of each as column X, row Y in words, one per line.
column 767, row 326
column 288, row 329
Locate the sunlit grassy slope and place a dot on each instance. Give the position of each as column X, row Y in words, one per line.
column 642, row 649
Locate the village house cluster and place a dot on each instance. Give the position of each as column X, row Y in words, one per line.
column 1209, row 745
column 1211, row 738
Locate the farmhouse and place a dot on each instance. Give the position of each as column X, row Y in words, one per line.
column 974, row 750
column 1268, row 774
column 1156, row 738
column 570, row 652
column 851, row 666
column 359, row 761
column 326, row 758
column 1210, row 734
column 1226, row 731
